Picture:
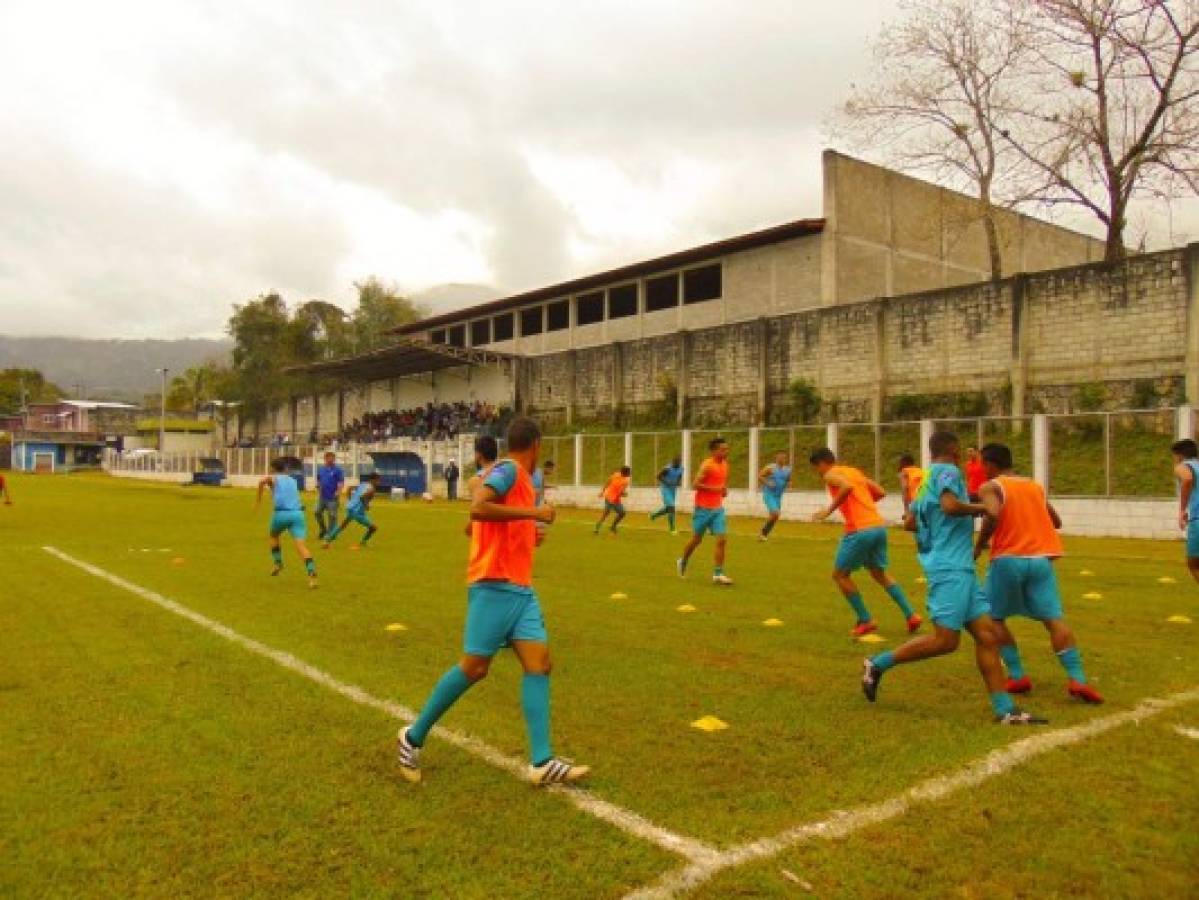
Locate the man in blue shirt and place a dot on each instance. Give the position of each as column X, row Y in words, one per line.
column 288, row 516
column 943, row 519
column 1186, row 470
column 669, row 480
column 773, row 480
column 356, row 509
column 330, row 481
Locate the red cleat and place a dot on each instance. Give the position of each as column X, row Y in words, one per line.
column 1084, row 692
column 1021, row 685
column 863, row 628
column 914, row 623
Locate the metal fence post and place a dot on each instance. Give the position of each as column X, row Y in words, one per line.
column 832, row 437
column 926, row 432
column 1184, row 425
column 578, row 460
column 686, row 448
column 1040, row 450
column 755, row 450
column 628, row 448
column 1107, row 454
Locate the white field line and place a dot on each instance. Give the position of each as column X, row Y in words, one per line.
column 1192, row 733
column 845, row 822
column 626, row 820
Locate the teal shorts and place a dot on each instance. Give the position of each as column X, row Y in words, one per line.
column 668, row 495
column 955, row 599
column 359, row 516
column 498, row 613
column 1023, row 586
column 292, row 521
column 862, row 549
column 1193, row 539
column 709, row 520
column 617, row 508
column 773, row 501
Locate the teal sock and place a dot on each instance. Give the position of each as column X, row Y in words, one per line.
column 859, row 607
column 332, row 534
column 310, row 565
column 719, row 570
column 535, row 701
column 277, row 556
column 1071, row 661
column 884, row 660
column 901, row 600
column 1002, row 703
column 370, row 532
column 670, row 518
column 453, row 684
column 1011, row 660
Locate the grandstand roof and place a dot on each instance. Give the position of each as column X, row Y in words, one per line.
column 774, row 235
column 406, row 356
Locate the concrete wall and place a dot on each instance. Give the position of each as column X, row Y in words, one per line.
column 1026, row 343
column 888, row 234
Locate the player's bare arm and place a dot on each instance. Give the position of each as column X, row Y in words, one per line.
column 1053, row 515
column 952, row 506
column 876, row 490
column 844, row 489
column 483, row 508
column 262, row 485
column 764, row 476
column 699, row 477
column 1186, row 481
column 992, row 503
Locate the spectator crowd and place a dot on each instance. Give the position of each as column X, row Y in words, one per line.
column 434, row 421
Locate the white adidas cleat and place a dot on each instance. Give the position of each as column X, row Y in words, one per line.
column 680, row 566
column 557, row 771
column 408, row 755
column 721, row 579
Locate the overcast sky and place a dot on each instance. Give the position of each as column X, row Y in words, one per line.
column 161, row 160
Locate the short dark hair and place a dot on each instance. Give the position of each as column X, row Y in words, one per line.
column 523, row 433
column 906, row 460
column 941, row 442
column 548, row 464
column 486, row 447
column 716, row 442
column 678, row 461
column 1186, row 448
column 625, row 470
column 998, row 455
column 329, row 453
column 822, row 455
column 372, row 476
column 278, row 465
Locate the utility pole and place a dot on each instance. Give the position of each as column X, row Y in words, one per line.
column 162, row 411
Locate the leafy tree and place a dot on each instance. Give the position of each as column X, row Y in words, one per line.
column 381, row 308
column 36, row 389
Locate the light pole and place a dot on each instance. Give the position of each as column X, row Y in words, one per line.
column 162, row 413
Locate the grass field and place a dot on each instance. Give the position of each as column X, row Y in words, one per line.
column 141, row 754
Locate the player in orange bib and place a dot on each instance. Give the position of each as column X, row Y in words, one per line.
column 1021, row 529
column 4, row 491
column 911, row 476
column 711, row 487
column 864, row 543
column 614, row 493
column 502, row 610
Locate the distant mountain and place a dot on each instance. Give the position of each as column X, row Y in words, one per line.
column 444, row 298
column 107, row 369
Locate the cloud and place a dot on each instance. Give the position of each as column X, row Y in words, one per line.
column 162, row 160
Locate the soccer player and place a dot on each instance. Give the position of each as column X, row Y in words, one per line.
column 943, row 520
column 330, row 482
column 288, row 516
column 1186, row 470
column 356, row 511
column 976, row 474
column 669, row 480
column 773, row 481
column 1021, row 529
column 711, row 487
column 911, row 476
column 541, row 479
column 502, row 610
column 616, row 488
column 4, row 491
column 864, row 543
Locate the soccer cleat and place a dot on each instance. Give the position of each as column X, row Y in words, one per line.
column 1084, row 692
column 680, row 566
column 1019, row 717
column 276, row 570
column 557, row 771
column 871, row 676
column 1021, row 685
column 312, row 582
column 721, row 579
column 408, row 756
column 864, row 628
column 763, row 538
column 674, row 531
column 914, row 623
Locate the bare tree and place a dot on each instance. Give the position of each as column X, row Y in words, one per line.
column 1109, row 108
column 943, row 74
